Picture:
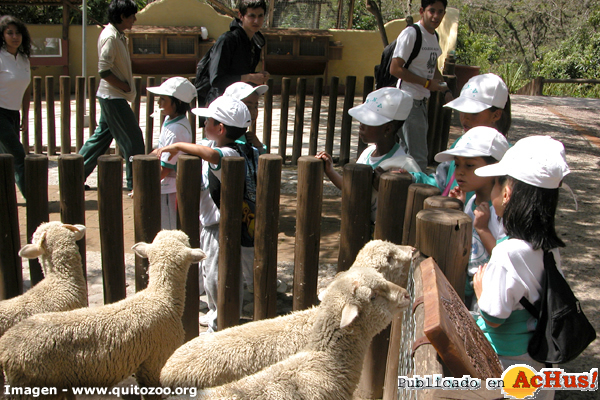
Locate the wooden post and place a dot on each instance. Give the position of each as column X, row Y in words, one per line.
column 79, row 111
column 268, row 115
column 392, row 200
column 149, row 120
column 189, row 182
column 146, row 209
column 333, row 95
column 355, row 229
column 110, row 222
column 36, row 176
column 11, row 276
column 266, row 228
column 447, row 116
column 72, row 196
column 417, row 193
column 347, row 120
column 315, row 116
column 137, row 82
column 299, row 120
column 308, row 231
column 230, row 242
column 446, row 236
column 192, row 118
column 50, row 117
column 283, row 121
column 162, row 116
column 435, row 125
column 367, row 88
column 92, row 104
column 65, row 115
column 538, row 87
column 37, row 114
column 443, row 202
column 25, row 126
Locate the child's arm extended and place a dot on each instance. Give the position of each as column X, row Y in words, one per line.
column 331, row 173
column 482, row 218
column 206, row 153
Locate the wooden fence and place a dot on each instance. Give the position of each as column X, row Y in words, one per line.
column 536, row 86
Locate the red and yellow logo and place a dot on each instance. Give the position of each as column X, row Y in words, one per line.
column 521, row 381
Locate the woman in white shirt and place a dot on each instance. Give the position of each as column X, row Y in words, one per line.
column 15, row 76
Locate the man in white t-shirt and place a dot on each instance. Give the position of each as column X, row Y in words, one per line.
column 421, row 77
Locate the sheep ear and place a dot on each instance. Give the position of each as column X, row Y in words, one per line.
column 78, row 230
column 349, row 313
column 141, row 249
column 30, row 251
column 197, row 255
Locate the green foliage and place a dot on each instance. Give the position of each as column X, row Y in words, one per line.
column 363, row 19
column 512, row 74
column 476, row 49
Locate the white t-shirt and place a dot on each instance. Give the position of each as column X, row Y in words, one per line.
column 479, row 254
column 424, row 65
column 209, row 212
column 15, row 75
column 173, row 131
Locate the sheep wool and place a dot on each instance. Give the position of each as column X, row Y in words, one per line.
column 358, row 304
column 230, row 354
column 63, row 287
column 101, row 346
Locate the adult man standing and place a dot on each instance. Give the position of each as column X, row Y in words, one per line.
column 235, row 54
column 116, row 88
column 421, row 77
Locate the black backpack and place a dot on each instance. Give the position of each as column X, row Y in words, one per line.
column 562, row 330
column 202, row 81
column 383, row 78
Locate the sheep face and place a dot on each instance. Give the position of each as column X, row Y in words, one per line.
column 391, row 260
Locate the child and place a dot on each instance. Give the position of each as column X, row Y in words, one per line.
column 249, row 95
column 483, row 101
column 226, row 120
column 175, row 95
column 525, row 194
column 478, row 147
column 380, row 117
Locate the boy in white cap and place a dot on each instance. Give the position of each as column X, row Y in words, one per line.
column 380, row 116
column 249, row 94
column 478, row 147
column 226, row 120
column 174, row 97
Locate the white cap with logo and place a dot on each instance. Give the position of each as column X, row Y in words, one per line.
column 536, row 160
column 178, row 87
column 480, row 93
column 481, row 141
column 382, row 106
column 226, row 110
column 241, row 90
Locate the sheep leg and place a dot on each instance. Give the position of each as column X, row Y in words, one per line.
column 149, row 376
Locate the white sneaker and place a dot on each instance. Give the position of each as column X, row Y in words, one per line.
column 281, row 286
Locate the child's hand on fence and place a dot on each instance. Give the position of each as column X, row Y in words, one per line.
column 328, row 161
column 167, row 149
column 457, row 193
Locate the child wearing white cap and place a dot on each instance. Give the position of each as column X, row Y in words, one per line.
column 226, row 120
column 249, row 95
column 478, row 147
column 380, row 116
column 175, row 95
column 525, row 195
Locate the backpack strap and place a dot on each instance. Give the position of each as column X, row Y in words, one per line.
column 417, row 49
column 549, row 262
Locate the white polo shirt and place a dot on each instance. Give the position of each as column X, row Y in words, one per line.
column 15, row 76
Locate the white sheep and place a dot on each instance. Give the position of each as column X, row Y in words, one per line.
column 230, row 354
column 63, row 287
column 358, row 304
column 101, row 346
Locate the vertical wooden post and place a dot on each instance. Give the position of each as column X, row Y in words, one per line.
column 110, row 221
column 347, row 120
column 149, row 120
column 92, row 104
column 192, row 118
column 25, row 126
column 367, row 88
column 37, row 114
column 355, row 229
column 79, row 111
column 308, row 231
column 50, row 117
column 299, row 120
column 266, row 228
column 189, row 182
column 333, row 95
column 315, row 116
column 447, row 115
column 162, row 116
column 283, row 120
column 417, row 193
column 11, row 276
column 230, row 242
column 268, row 115
column 137, row 82
column 65, row 115
column 538, row 87
column 434, row 130
column 146, row 208
column 72, row 196
column 443, row 202
column 36, row 176
column 391, row 206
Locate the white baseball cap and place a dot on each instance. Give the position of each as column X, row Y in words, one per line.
column 178, row 87
column 241, row 90
column 537, row 160
column 226, row 110
column 480, row 93
column 481, row 141
column 382, row 106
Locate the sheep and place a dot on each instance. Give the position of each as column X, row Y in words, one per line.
column 101, row 346
column 358, row 304
column 228, row 355
column 63, row 287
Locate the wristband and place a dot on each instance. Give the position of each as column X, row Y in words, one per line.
column 427, row 82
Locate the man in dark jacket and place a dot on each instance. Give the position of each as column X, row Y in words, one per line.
column 235, row 55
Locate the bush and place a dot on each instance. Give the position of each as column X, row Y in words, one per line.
column 476, row 49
